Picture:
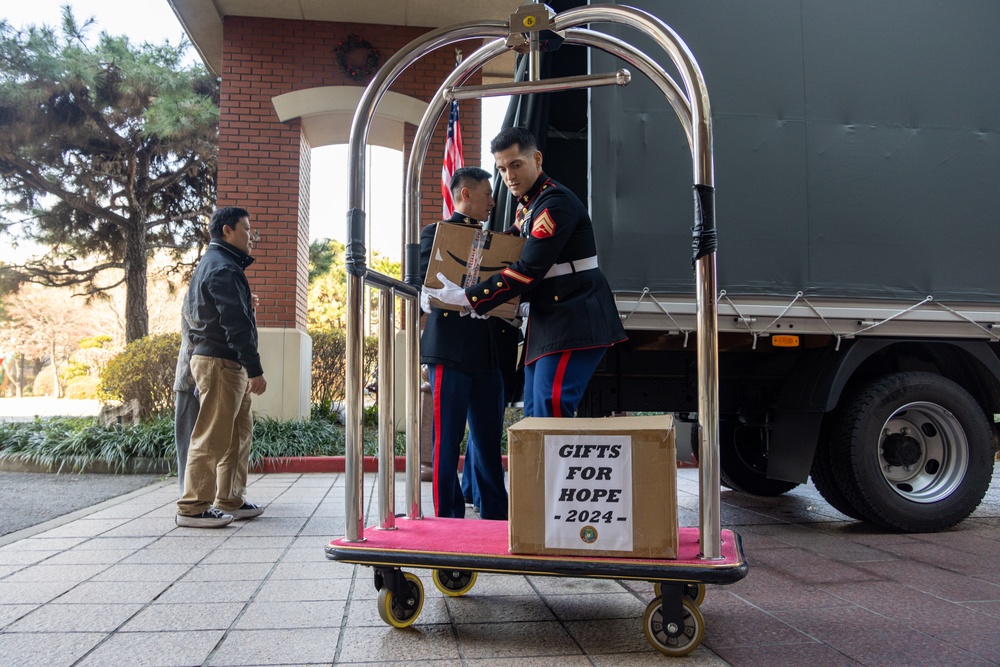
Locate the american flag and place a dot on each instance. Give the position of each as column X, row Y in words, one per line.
column 452, row 159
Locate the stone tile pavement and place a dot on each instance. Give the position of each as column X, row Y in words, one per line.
column 122, row 585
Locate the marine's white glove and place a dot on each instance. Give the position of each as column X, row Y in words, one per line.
column 425, row 300
column 451, row 293
column 523, row 308
column 476, row 316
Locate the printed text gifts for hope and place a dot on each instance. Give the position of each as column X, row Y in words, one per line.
column 589, row 473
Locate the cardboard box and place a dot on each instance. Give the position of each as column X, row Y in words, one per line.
column 466, row 254
column 598, row 487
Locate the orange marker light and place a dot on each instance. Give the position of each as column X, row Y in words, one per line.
column 785, row 341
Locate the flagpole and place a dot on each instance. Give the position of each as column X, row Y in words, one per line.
column 453, row 154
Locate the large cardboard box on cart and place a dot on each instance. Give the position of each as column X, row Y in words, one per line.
column 599, row 487
column 466, row 254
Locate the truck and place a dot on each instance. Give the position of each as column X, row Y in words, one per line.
column 857, row 165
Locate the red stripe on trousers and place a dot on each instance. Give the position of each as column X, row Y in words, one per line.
column 438, row 372
column 557, row 382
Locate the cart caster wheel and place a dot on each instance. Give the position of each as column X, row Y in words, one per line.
column 692, row 591
column 393, row 611
column 454, row 583
column 659, row 637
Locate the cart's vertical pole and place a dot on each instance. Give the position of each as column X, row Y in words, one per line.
column 412, row 342
column 710, row 516
column 354, row 371
column 386, row 409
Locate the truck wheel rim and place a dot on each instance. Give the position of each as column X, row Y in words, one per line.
column 923, row 452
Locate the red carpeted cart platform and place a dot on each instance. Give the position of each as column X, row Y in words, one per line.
column 457, row 549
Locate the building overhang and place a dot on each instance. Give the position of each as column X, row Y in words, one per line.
column 202, row 19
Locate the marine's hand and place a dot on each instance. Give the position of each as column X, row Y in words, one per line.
column 476, row 316
column 451, row 293
column 425, row 300
column 256, row 385
column 523, row 308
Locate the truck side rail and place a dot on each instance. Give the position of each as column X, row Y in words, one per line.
column 802, row 314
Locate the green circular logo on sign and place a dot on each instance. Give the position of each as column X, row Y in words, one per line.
column 588, row 534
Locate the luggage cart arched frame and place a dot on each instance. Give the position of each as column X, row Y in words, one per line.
column 708, row 554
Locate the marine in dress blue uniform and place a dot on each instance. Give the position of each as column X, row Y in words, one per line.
column 572, row 318
column 464, row 356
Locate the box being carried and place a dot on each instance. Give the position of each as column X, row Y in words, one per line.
column 600, row 487
column 466, row 254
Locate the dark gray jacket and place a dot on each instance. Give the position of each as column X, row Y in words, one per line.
column 223, row 323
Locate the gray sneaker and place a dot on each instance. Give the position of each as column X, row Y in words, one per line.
column 210, row 518
column 247, row 511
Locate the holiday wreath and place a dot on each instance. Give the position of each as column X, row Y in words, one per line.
column 350, row 63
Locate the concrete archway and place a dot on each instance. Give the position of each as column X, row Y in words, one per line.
column 326, row 113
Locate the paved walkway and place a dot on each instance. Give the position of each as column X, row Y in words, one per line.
column 124, row 586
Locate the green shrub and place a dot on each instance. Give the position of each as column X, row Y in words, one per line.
column 328, row 367
column 42, row 386
column 73, row 370
column 144, row 371
column 83, row 387
column 93, row 354
column 70, row 443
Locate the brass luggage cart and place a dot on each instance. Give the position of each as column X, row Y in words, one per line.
column 455, row 549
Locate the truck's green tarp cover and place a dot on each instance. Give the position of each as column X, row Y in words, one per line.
column 857, row 150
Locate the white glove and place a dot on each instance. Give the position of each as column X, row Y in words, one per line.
column 476, row 316
column 523, row 308
column 451, row 293
column 425, row 300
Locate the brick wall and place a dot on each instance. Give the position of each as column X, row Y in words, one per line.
column 264, row 165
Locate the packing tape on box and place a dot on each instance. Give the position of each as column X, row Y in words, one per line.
column 475, row 257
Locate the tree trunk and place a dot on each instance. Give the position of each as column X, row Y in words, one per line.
column 136, row 312
column 20, row 375
column 56, row 389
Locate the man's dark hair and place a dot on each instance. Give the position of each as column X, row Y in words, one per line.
column 514, row 135
column 465, row 177
column 226, row 216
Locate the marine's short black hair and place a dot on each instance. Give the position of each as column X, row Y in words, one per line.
column 514, row 135
column 462, row 177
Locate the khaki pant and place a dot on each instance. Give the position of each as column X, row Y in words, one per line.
column 219, row 454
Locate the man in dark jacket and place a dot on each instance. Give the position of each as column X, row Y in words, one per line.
column 226, row 369
column 572, row 318
column 463, row 354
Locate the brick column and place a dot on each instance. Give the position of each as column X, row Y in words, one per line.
column 264, row 166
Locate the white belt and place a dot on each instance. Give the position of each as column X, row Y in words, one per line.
column 575, row 266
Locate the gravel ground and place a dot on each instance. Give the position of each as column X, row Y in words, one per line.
column 30, row 498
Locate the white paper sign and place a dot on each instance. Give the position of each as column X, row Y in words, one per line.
column 588, row 492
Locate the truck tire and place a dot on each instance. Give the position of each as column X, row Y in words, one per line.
column 825, row 481
column 913, row 452
column 743, row 460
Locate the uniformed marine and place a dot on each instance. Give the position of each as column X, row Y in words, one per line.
column 464, row 354
column 572, row 316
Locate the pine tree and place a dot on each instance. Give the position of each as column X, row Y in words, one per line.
column 108, row 153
